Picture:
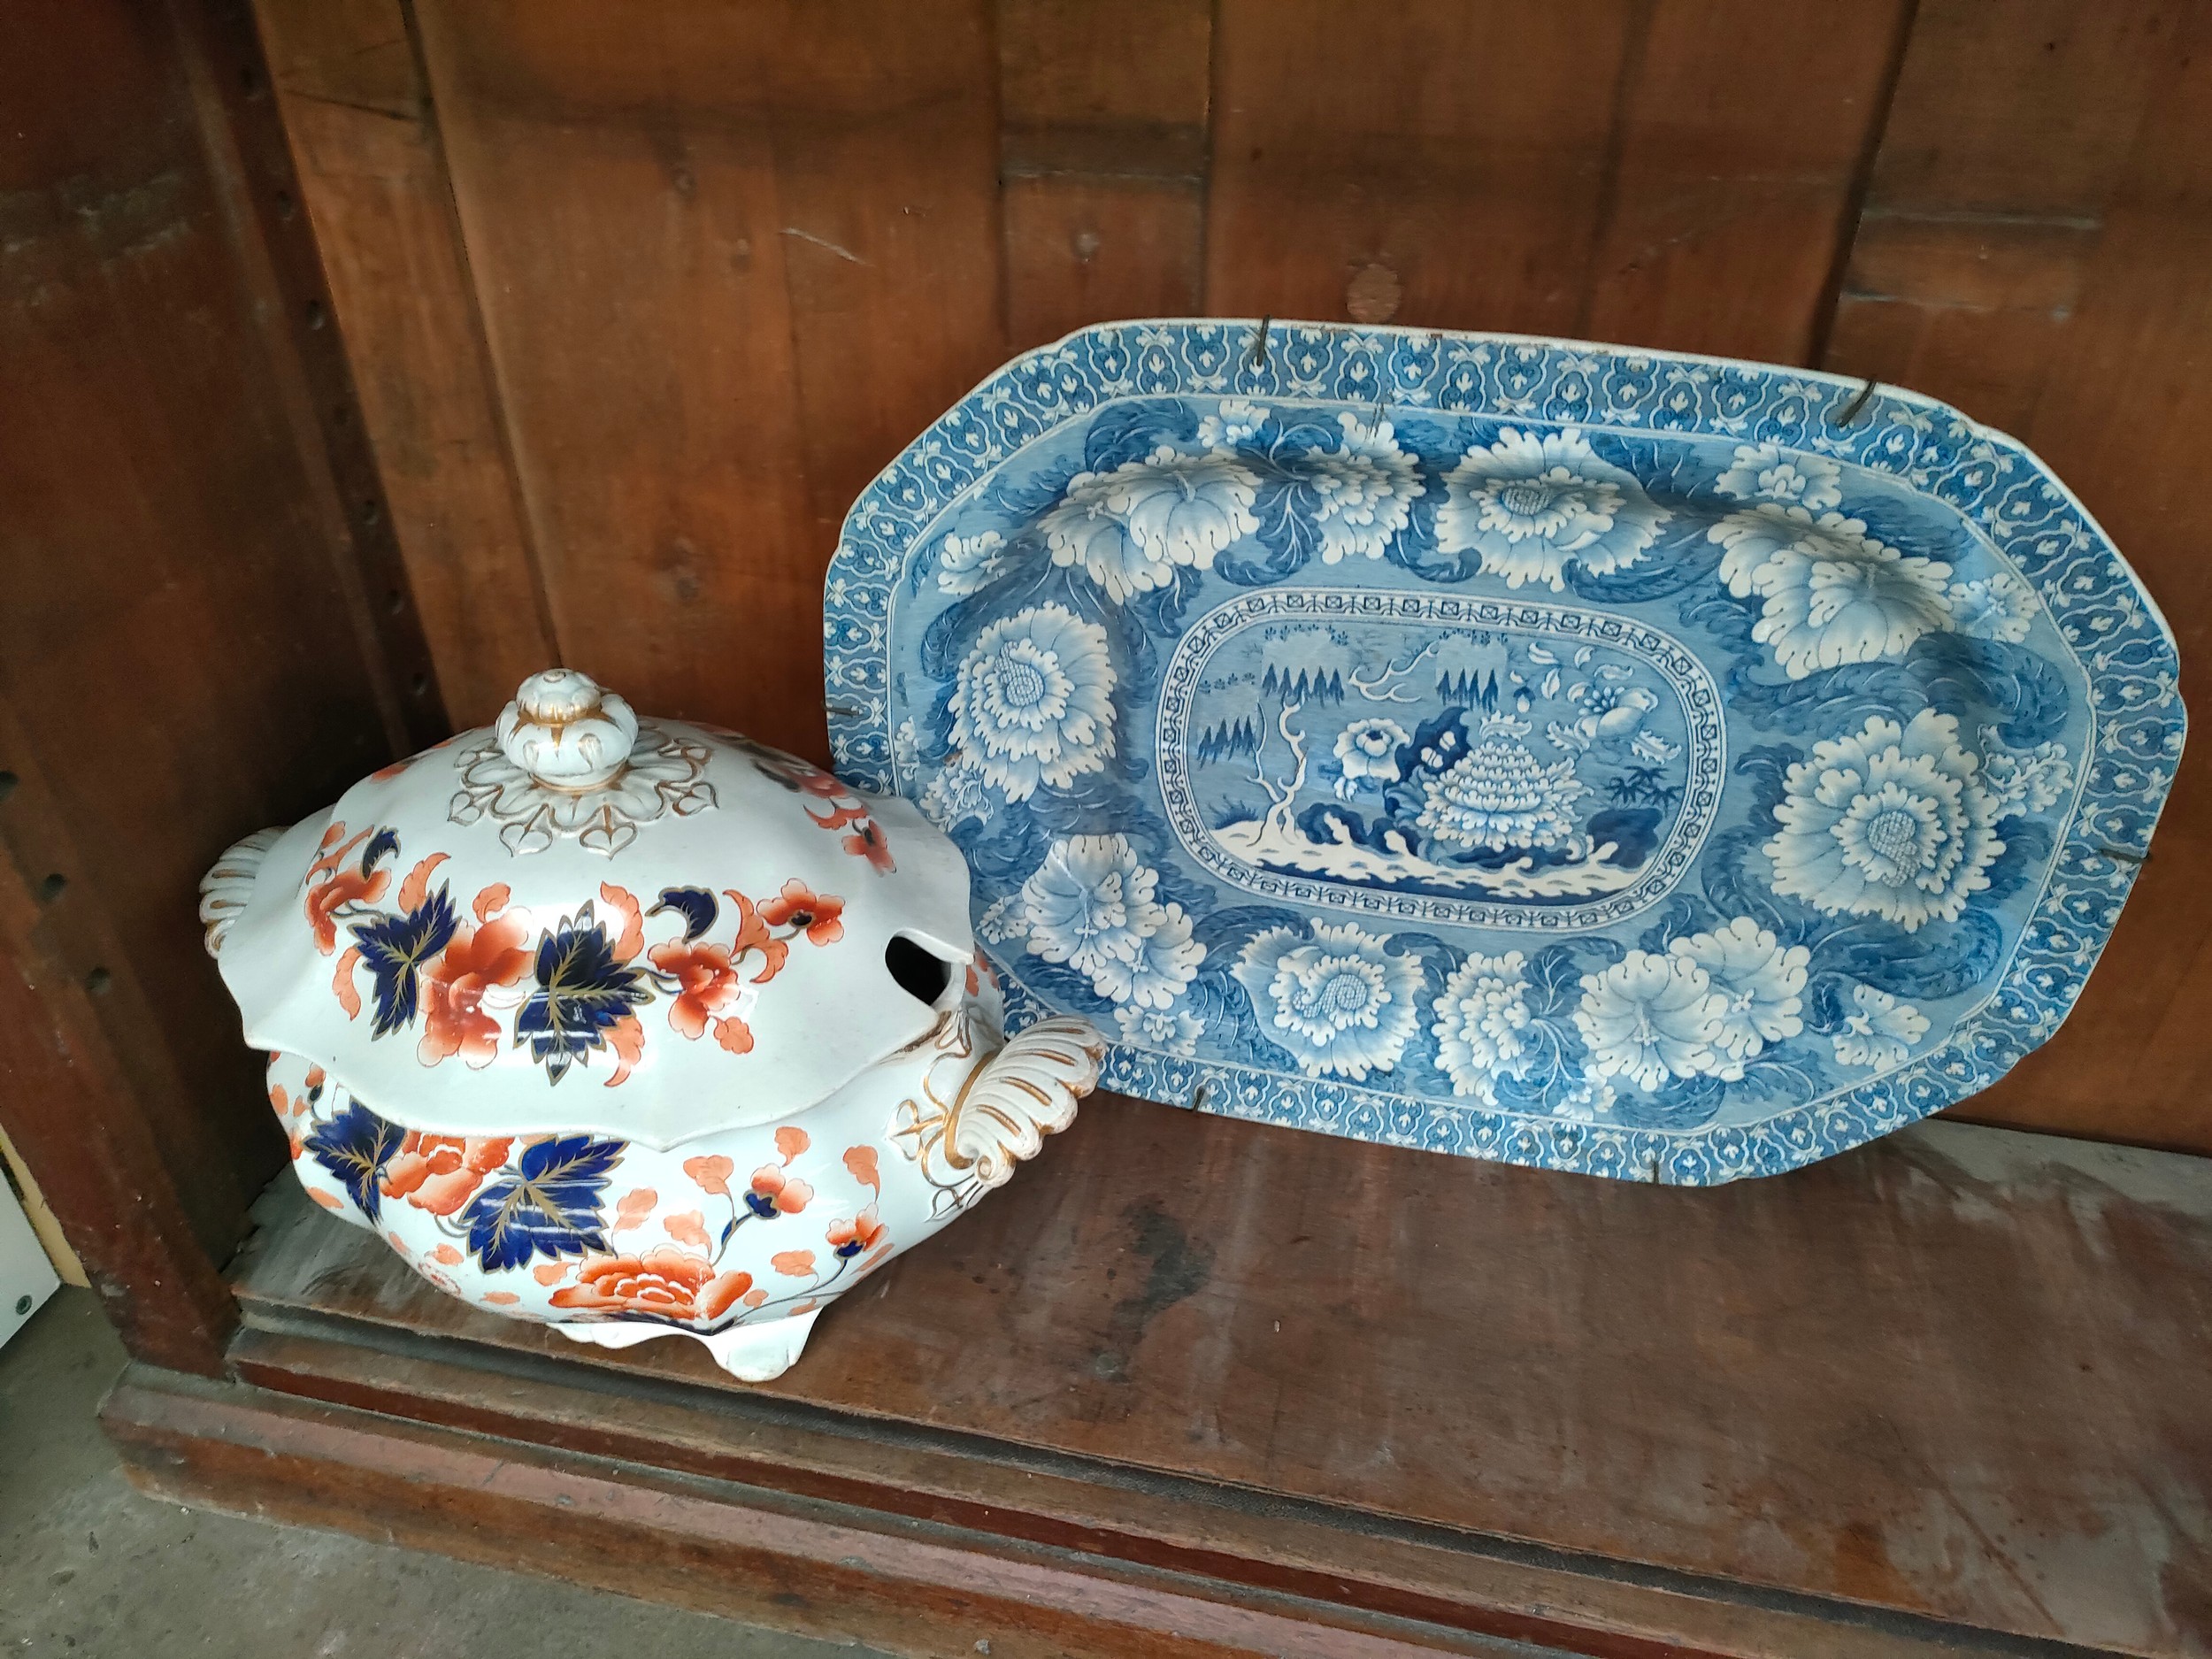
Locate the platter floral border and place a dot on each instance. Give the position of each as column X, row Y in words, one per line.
column 2122, row 643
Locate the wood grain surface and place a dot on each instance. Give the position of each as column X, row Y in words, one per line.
column 1954, row 1376
column 638, row 305
column 194, row 640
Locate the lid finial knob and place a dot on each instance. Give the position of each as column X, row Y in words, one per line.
column 566, row 731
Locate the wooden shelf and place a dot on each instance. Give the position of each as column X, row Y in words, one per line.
column 1275, row 1391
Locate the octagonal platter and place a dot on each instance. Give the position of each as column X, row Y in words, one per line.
column 1606, row 760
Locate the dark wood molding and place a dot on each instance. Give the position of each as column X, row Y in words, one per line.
column 848, row 1530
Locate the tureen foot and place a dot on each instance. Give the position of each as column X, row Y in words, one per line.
column 750, row 1353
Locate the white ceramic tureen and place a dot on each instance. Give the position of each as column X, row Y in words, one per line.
column 632, row 1026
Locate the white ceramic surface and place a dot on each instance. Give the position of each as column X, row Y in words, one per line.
column 632, row 1027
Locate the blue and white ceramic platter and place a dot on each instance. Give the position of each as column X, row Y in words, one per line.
column 1605, row 760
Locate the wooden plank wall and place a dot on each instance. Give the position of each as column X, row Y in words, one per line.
column 639, row 300
column 204, row 628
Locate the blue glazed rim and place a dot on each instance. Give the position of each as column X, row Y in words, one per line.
column 2108, row 621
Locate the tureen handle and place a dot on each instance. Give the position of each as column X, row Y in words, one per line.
column 1024, row 1092
column 225, row 890
column 566, row 731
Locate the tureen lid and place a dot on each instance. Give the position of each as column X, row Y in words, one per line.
column 580, row 920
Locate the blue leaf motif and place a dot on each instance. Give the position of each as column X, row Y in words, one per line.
column 1934, row 963
column 355, row 1146
column 553, row 1203
column 1130, row 432
column 581, row 991
column 396, row 950
column 384, row 844
column 697, row 906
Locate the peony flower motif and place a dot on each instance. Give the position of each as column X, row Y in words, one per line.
column 1763, row 472
column 1760, row 982
column 1530, row 504
column 1833, row 593
column 849, row 1238
column 1164, row 1030
column 2028, row 780
column 1166, row 960
column 1366, row 489
column 1650, row 1016
column 956, row 793
column 1331, row 997
column 1997, row 607
column 966, row 563
column 1891, row 821
column 1881, row 1032
column 775, row 1192
column 454, row 985
column 814, row 914
column 1238, row 422
column 1585, row 1102
column 1479, row 1021
column 1367, row 749
column 1130, row 528
column 440, row 1173
column 1033, row 703
column 1497, row 795
column 710, row 983
column 665, row 1282
column 1087, row 903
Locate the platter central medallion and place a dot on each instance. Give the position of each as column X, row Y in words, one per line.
column 1440, row 758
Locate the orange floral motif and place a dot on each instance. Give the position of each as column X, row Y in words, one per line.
column 866, row 841
column 416, row 888
column 440, row 1173
column 753, row 934
column 504, row 1298
column 733, row 1035
column 447, row 1254
column 544, row 1273
column 710, row 983
column 790, row 1142
column 775, row 1192
column 492, row 899
column 689, row 1228
column 862, row 1162
column 332, row 894
column 634, row 1209
column 339, row 887
column 627, row 1038
column 713, row 1174
column 849, row 1238
column 814, row 914
column 664, row 1280
column 454, row 985
column 625, row 905
column 793, row 1263
column 341, row 982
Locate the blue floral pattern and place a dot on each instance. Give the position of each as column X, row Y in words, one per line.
column 1588, row 758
